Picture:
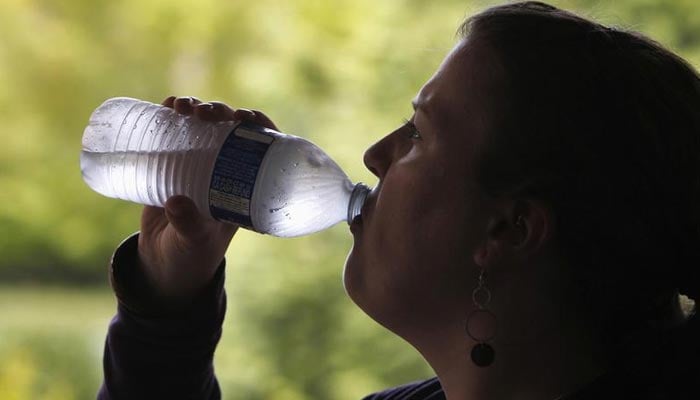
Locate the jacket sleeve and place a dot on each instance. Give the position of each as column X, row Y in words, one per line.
column 160, row 351
column 429, row 389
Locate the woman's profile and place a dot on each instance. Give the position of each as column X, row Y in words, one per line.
column 533, row 228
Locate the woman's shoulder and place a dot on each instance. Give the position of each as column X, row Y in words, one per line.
column 429, row 389
column 614, row 386
column 667, row 367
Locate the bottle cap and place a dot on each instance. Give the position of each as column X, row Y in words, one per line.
column 357, row 200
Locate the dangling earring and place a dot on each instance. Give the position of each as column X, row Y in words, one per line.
column 482, row 353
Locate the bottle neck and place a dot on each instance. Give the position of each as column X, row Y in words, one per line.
column 357, row 200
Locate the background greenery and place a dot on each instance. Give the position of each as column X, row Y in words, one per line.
column 340, row 72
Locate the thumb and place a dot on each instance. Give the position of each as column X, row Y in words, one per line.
column 184, row 216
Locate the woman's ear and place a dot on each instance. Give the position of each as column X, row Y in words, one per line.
column 517, row 233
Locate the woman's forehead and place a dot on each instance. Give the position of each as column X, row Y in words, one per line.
column 458, row 91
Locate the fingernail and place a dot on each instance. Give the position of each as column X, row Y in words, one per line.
column 250, row 113
column 207, row 106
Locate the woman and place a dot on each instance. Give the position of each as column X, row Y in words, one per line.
column 533, row 225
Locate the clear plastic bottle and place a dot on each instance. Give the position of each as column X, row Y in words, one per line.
column 258, row 178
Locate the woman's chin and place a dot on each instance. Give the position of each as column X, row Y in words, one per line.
column 351, row 275
column 357, row 282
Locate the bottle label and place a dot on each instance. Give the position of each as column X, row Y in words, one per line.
column 235, row 171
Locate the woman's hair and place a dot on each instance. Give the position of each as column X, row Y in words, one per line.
column 603, row 125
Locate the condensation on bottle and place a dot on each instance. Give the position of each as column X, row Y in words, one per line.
column 236, row 172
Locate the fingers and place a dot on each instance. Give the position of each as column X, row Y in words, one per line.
column 168, row 102
column 185, row 105
column 216, row 111
column 183, row 215
column 256, row 117
column 244, row 114
column 264, row 120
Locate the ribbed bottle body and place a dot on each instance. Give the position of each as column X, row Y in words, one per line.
column 146, row 153
column 244, row 174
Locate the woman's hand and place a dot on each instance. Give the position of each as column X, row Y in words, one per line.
column 179, row 249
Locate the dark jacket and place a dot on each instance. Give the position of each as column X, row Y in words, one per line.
column 158, row 351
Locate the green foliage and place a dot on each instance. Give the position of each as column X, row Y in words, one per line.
column 340, row 72
column 50, row 341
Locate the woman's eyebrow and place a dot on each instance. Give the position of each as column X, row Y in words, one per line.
column 416, row 104
column 427, row 107
column 419, row 104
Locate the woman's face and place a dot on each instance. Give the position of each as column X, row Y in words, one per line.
column 411, row 261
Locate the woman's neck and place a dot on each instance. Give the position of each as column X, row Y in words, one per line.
column 544, row 367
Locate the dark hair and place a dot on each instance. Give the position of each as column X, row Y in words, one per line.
column 603, row 125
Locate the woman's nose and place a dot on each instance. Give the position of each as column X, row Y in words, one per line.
column 377, row 158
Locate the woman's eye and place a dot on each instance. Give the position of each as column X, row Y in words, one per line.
column 413, row 132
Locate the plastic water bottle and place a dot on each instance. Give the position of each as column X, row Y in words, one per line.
column 241, row 173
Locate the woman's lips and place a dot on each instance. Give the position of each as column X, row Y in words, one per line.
column 356, row 223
